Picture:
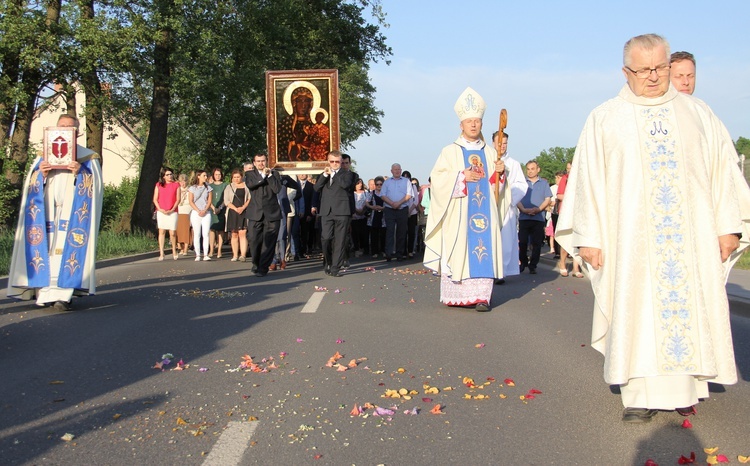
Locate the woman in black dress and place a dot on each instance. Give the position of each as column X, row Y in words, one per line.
column 236, row 199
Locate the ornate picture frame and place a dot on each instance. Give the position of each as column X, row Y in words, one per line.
column 59, row 146
column 302, row 109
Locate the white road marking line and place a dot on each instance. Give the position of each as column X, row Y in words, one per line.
column 313, row 303
column 231, row 444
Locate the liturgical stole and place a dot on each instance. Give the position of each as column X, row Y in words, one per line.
column 479, row 233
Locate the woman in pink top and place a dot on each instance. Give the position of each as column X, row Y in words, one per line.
column 165, row 203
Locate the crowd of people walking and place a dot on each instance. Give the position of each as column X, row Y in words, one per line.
column 264, row 213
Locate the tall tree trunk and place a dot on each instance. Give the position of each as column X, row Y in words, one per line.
column 92, row 88
column 8, row 80
column 31, row 83
column 156, row 144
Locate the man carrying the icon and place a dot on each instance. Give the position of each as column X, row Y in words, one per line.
column 54, row 251
column 462, row 241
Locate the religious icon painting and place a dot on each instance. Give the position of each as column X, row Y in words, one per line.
column 302, row 110
column 59, row 146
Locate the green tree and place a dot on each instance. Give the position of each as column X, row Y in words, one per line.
column 743, row 146
column 216, row 108
column 554, row 160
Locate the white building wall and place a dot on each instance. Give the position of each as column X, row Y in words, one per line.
column 119, row 148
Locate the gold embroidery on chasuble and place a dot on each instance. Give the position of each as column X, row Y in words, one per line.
column 86, row 186
column 37, row 262
column 72, row 264
column 83, row 212
column 478, row 196
column 33, row 210
column 673, row 298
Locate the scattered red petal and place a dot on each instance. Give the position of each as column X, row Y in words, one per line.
column 687, row 424
column 650, row 462
column 490, row 379
column 318, row 456
column 685, row 460
column 427, row 400
column 534, row 391
column 722, row 459
column 509, row 382
column 575, row 292
column 436, row 409
column 529, row 397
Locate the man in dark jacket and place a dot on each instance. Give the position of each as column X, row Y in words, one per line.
column 334, row 186
column 263, row 213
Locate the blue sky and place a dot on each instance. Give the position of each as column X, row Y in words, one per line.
column 549, row 63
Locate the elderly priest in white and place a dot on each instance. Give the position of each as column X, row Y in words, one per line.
column 462, row 240
column 658, row 210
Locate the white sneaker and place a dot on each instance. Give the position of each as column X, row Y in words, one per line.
column 197, row 258
column 206, row 258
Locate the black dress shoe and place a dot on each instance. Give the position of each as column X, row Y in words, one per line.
column 638, row 415
column 689, row 411
column 260, row 274
column 388, row 258
column 327, row 269
column 61, row 306
column 336, row 273
column 523, row 267
column 499, row 281
column 254, row 268
column 532, row 271
column 482, row 307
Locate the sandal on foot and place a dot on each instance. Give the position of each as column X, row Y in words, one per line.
column 564, row 272
column 578, row 274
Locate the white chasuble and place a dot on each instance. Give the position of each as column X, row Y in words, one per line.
column 654, row 184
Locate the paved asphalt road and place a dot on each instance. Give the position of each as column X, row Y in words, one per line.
column 90, row 373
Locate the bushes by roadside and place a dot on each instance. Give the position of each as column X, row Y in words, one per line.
column 115, row 238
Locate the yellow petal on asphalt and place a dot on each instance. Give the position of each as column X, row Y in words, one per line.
column 711, row 451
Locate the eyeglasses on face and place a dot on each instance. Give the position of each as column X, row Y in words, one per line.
column 661, row 70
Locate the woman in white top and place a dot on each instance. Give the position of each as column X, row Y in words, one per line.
column 199, row 194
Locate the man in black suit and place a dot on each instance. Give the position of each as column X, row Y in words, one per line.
column 334, row 186
column 263, row 213
column 306, row 214
column 346, row 164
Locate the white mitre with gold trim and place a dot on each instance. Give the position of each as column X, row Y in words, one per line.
column 470, row 105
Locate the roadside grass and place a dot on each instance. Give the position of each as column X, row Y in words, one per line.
column 109, row 245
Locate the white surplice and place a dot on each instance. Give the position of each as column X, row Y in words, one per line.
column 654, row 184
column 513, row 191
